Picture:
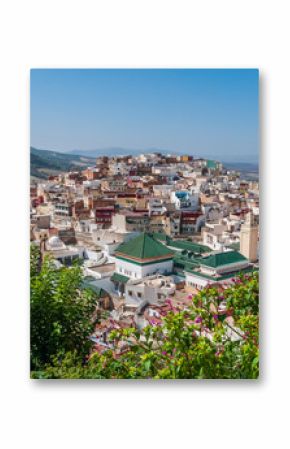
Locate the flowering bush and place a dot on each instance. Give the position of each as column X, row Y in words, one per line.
column 215, row 337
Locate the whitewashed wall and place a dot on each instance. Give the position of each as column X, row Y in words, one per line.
column 138, row 271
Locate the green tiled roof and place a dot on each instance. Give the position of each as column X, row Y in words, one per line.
column 181, row 263
column 160, row 236
column 189, row 246
column 143, row 247
column 119, row 278
column 223, row 276
column 219, row 259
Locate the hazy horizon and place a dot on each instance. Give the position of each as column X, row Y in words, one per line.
column 117, row 151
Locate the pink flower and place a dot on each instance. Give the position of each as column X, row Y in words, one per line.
column 198, row 319
column 153, row 321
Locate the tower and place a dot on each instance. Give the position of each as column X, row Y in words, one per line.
column 249, row 238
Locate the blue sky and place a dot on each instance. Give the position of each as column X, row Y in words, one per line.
column 202, row 112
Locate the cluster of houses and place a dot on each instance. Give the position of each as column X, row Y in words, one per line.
column 148, row 228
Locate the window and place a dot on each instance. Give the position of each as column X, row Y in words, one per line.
column 130, row 293
column 139, row 295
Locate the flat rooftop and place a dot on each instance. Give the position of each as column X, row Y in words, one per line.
column 107, row 268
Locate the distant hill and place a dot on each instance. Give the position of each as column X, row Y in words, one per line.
column 248, row 171
column 44, row 163
column 242, row 166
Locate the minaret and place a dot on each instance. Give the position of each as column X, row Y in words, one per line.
column 249, row 238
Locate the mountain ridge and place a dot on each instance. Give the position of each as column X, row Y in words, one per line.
column 44, row 163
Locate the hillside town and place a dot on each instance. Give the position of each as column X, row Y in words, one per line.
column 149, row 231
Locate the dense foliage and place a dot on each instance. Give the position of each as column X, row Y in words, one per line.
column 61, row 311
column 216, row 336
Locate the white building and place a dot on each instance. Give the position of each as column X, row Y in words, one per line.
column 163, row 190
column 152, row 289
column 143, row 256
column 183, row 200
column 66, row 255
column 156, row 206
column 215, row 268
column 110, row 239
column 140, row 257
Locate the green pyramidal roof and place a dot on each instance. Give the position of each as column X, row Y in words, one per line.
column 219, row 259
column 143, row 247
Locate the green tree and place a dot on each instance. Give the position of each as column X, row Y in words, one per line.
column 61, row 318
